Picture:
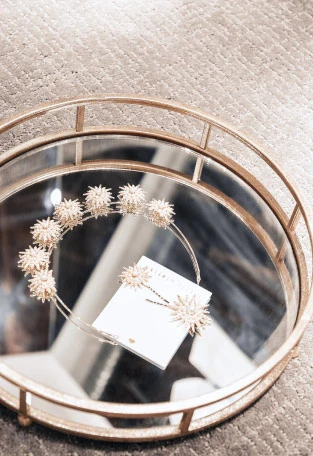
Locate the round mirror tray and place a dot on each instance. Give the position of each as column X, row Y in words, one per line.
column 245, row 220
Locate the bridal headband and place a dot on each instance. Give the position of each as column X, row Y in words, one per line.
column 99, row 202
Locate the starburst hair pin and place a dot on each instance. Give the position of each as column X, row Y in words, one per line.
column 99, row 202
column 138, row 277
column 187, row 311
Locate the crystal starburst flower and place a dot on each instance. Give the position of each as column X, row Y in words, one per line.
column 33, row 259
column 46, row 232
column 98, row 200
column 160, row 213
column 135, row 276
column 189, row 312
column 42, row 285
column 131, row 199
column 69, row 213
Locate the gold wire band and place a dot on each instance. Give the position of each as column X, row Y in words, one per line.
column 172, row 227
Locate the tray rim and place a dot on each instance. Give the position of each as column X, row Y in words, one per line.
column 265, row 374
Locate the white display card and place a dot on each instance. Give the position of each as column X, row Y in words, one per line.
column 145, row 328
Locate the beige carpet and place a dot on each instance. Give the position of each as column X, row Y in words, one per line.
column 248, row 61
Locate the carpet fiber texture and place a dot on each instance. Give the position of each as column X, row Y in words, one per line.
column 247, row 61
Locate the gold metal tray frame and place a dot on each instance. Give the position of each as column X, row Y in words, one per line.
column 254, row 384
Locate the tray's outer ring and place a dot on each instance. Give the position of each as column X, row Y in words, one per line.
column 259, row 381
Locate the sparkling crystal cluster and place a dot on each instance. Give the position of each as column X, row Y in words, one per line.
column 33, row 259
column 160, row 213
column 42, row 285
column 131, row 199
column 189, row 312
column 46, row 233
column 69, row 213
column 98, row 201
column 135, row 276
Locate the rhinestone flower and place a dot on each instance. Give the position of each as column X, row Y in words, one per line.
column 33, row 259
column 46, row 232
column 69, row 213
column 160, row 213
column 189, row 312
column 42, row 285
column 131, row 199
column 135, row 276
column 98, row 200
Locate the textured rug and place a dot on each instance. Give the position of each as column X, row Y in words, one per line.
column 247, row 61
